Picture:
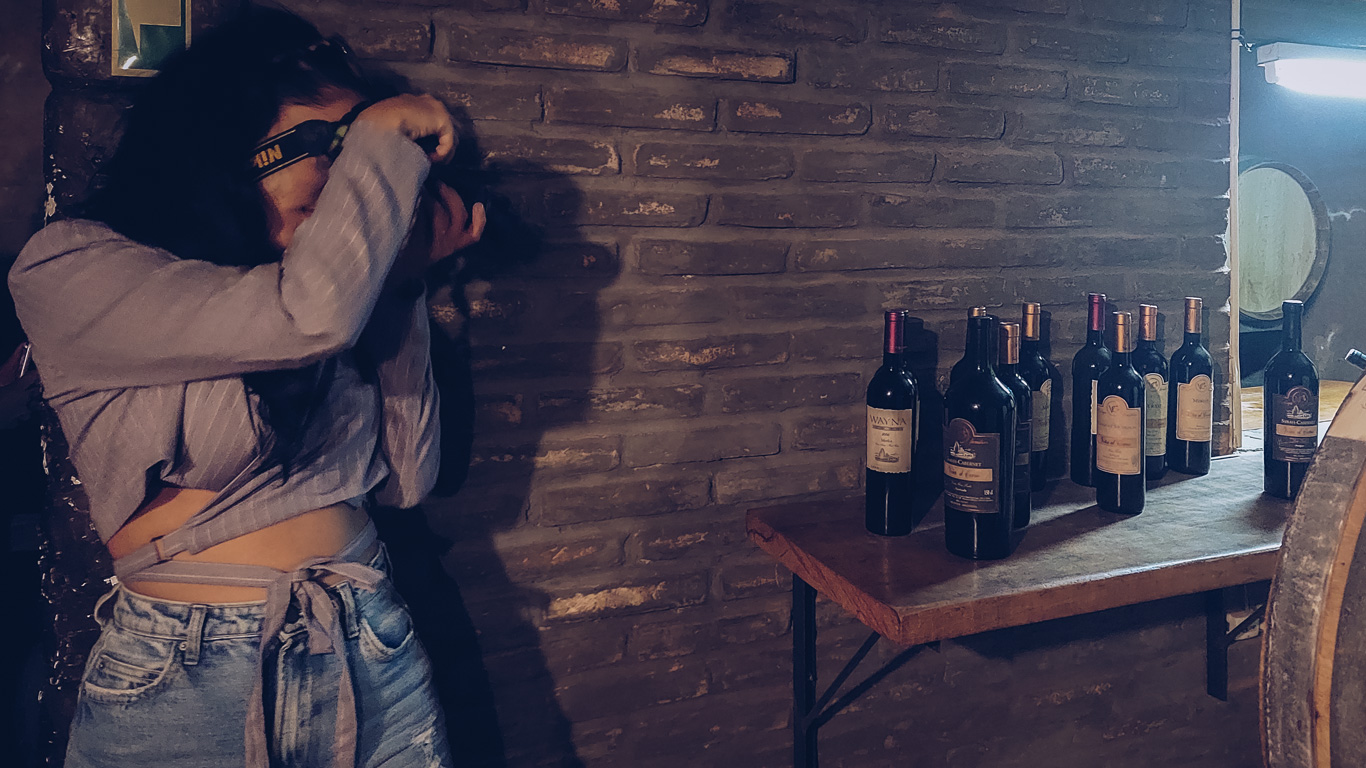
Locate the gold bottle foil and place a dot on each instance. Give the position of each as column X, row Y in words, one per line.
column 1121, row 332
column 1193, row 306
column 1033, row 316
column 1010, row 343
column 978, row 312
column 1147, row 322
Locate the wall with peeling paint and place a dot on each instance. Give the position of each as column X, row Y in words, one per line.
column 703, row 207
column 1323, row 138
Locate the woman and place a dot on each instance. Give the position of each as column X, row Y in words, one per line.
column 235, row 341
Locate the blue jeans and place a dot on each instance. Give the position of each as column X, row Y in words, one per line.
column 167, row 684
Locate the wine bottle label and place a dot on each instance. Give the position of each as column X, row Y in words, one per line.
column 1119, row 437
column 1195, row 410
column 1043, row 401
column 972, row 464
column 1023, row 442
column 1094, row 383
column 890, row 439
column 1296, row 418
column 1155, row 441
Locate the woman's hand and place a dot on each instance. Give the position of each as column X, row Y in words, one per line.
column 440, row 228
column 417, row 116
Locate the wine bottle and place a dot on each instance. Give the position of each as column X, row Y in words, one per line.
column 1034, row 369
column 1290, row 416
column 892, row 427
column 958, row 366
column 1151, row 364
column 1087, row 366
column 979, row 452
column 1120, row 425
column 1190, row 413
column 1008, row 371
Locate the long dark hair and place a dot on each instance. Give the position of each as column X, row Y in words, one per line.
column 180, row 178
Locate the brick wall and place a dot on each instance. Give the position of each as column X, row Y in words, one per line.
column 731, row 191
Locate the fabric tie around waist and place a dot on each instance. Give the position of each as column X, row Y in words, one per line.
column 303, row 588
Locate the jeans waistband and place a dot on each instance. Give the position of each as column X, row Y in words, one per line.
column 154, row 617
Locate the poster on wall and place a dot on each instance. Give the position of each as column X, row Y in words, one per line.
column 146, row 33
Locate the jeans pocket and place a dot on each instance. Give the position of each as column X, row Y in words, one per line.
column 124, row 667
column 385, row 626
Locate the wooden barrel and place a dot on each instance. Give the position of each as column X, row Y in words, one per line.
column 1313, row 685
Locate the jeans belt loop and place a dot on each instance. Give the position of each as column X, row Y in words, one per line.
column 348, row 609
column 103, row 601
column 194, row 637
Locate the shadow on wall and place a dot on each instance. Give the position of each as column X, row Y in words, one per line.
column 532, row 276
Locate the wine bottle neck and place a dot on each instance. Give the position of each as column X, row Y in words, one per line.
column 892, row 360
column 1193, row 339
column 1095, row 337
column 1120, row 359
column 1290, row 338
column 982, row 345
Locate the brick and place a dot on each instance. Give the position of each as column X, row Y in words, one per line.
column 782, row 211
column 1069, row 45
column 860, row 343
column 640, row 208
column 716, row 63
column 1187, row 136
column 933, row 211
column 936, row 30
column 945, row 294
column 628, row 689
column 535, row 359
column 528, row 154
column 718, row 351
column 785, row 20
column 1202, row 175
column 713, row 161
column 1126, row 92
column 1205, row 99
column 771, row 302
column 723, row 257
column 1120, row 251
column 570, row 649
column 535, row 555
column 603, row 499
column 854, row 255
column 664, row 641
column 877, row 167
column 579, row 259
column 477, row 510
column 466, row 5
column 671, row 541
column 548, row 455
column 482, row 101
column 1167, row 13
column 754, row 580
column 1069, row 288
column 386, row 40
column 835, row 68
column 1208, row 15
column 1001, row 167
column 622, row 403
column 594, row 106
column 623, row 596
column 780, row 393
column 1204, row 252
column 523, row 48
column 942, row 122
column 825, row 432
column 988, row 80
column 497, row 411
column 1185, row 54
column 1027, row 6
column 748, row 627
column 776, row 481
column 686, row 13
column 806, row 117
column 1072, row 128
column 665, row 306
column 733, row 441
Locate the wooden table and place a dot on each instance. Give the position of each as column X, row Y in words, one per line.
column 1196, row 534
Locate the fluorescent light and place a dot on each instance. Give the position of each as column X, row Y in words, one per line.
column 1315, row 69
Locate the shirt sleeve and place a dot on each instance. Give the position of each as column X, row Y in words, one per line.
column 108, row 312
column 398, row 342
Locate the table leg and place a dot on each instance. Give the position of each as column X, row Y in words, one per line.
column 1216, row 645
column 803, row 674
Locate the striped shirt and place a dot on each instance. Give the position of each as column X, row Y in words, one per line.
column 141, row 355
